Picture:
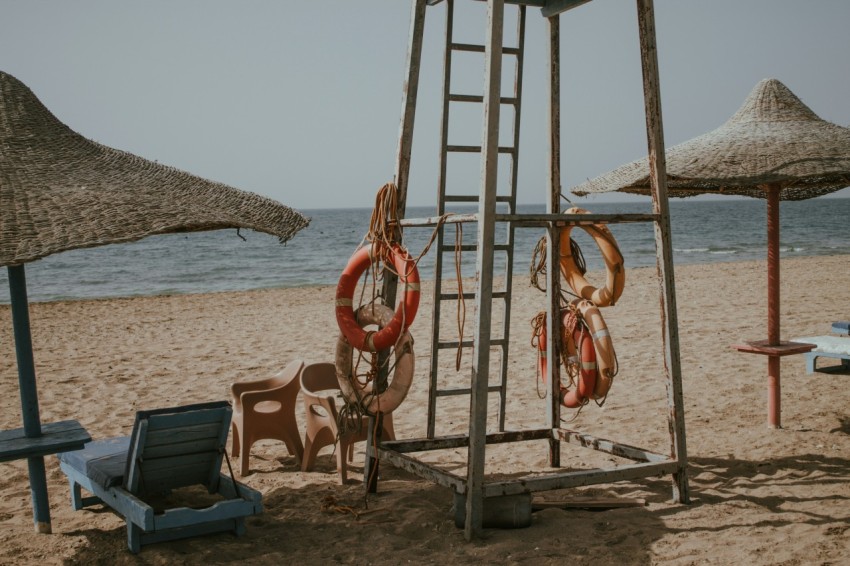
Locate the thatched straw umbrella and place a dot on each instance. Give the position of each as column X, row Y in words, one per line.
column 774, row 148
column 60, row 191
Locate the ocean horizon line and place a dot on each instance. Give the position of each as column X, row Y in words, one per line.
column 709, row 231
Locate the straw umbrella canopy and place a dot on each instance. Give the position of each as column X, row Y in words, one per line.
column 60, row 191
column 772, row 140
column 774, row 147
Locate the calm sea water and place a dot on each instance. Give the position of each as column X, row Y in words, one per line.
column 703, row 232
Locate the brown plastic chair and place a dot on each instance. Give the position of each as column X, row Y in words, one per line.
column 265, row 409
column 319, row 385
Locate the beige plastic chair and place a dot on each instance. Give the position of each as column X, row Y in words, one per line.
column 265, row 409
column 319, row 385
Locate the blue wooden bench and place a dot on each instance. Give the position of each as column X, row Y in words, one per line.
column 167, row 450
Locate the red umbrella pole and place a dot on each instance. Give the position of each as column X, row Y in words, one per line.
column 774, row 408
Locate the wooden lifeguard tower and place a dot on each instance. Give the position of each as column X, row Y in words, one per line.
column 474, row 489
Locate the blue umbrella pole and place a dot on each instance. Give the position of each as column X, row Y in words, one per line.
column 29, row 394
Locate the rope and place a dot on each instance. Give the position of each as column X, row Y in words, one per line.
column 461, row 302
column 384, row 228
column 385, row 233
column 538, row 265
column 230, row 468
column 571, row 318
column 538, row 326
column 331, row 503
column 537, row 269
column 578, row 256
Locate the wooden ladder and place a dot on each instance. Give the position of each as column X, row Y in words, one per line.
column 507, row 201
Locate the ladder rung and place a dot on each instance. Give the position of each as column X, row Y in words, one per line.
column 453, row 296
column 472, row 247
column 464, row 391
column 461, row 198
column 500, row 342
column 474, row 198
column 476, row 149
column 480, row 48
column 477, row 98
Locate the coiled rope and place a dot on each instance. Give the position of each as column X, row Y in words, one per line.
column 537, row 270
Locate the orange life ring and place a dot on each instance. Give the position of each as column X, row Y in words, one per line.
column 582, row 356
column 408, row 277
column 356, row 392
column 606, row 358
column 615, row 270
column 580, row 351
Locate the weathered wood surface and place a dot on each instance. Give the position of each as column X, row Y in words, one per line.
column 484, row 268
column 611, row 447
column 532, row 219
column 61, row 436
column 663, row 245
column 462, row 440
column 765, row 348
column 540, row 503
column 578, row 478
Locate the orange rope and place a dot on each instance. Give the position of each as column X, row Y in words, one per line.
column 461, row 302
column 538, row 327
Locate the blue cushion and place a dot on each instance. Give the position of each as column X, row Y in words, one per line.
column 841, row 327
column 102, row 461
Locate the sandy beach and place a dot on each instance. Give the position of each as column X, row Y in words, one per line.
column 759, row 496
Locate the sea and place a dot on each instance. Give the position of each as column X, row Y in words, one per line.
column 703, row 231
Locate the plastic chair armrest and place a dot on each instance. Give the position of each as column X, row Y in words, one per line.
column 249, row 399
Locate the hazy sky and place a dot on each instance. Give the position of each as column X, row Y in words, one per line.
column 301, row 100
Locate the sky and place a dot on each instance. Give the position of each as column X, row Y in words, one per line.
column 301, row 100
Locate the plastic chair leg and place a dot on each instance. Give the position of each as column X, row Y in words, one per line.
column 234, row 439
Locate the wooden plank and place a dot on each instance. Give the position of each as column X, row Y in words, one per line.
column 231, row 489
column 178, row 449
column 128, row 505
column 578, row 478
column 197, row 460
column 611, row 447
column 137, row 442
column 663, row 245
column 423, row 470
column 402, row 170
column 532, row 220
column 61, row 436
column 484, row 269
column 764, row 347
column 476, row 149
column 554, row 7
column 205, row 419
column 540, row 503
column 553, row 250
column 204, row 519
column 462, row 440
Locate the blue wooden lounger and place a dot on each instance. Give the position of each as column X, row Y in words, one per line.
column 168, row 449
column 827, row 346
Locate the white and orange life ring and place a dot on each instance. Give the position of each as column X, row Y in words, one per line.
column 606, row 358
column 408, row 277
column 581, row 355
column 354, row 390
column 615, row 270
column 580, row 352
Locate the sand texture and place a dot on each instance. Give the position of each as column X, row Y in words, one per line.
column 758, row 496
